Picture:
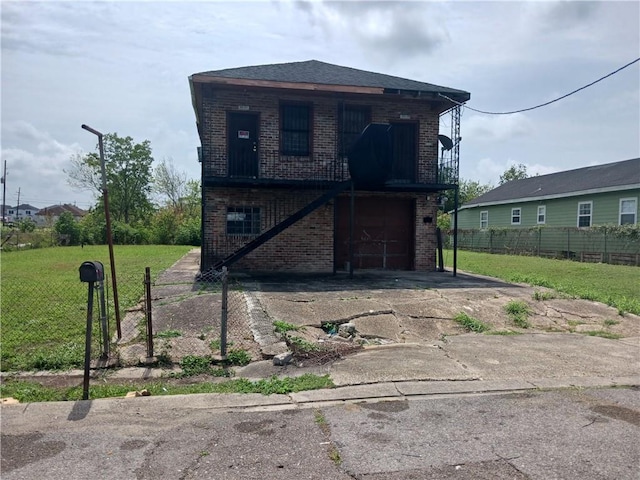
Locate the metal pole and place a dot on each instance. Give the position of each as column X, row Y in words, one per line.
column 4, row 192
column 147, row 283
column 223, row 314
column 455, row 233
column 103, row 322
column 439, row 243
column 352, row 204
column 87, row 345
column 105, row 196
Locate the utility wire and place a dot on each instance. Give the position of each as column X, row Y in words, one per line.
column 546, row 103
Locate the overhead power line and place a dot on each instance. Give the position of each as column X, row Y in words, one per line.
column 546, row 103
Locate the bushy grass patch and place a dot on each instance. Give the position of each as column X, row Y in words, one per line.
column 470, row 324
column 27, row 391
column 44, row 304
column 589, row 281
column 519, row 313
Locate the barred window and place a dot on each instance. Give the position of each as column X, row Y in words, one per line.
column 352, row 121
column 243, row 220
column 296, row 130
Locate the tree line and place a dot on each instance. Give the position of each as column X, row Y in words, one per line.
column 146, row 205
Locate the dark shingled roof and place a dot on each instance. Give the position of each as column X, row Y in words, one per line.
column 314, row 71
column 607, row 176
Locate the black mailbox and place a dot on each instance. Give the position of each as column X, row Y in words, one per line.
column 91, row 272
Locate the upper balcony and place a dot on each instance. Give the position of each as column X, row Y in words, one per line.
column 254, row 168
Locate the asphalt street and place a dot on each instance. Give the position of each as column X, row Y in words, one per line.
column 570, row 433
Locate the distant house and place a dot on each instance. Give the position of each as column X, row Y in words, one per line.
column 49, row 215
column 21, row 212
column 584, row 197
column 282, row 189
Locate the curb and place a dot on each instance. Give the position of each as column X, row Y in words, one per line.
column 375, row 392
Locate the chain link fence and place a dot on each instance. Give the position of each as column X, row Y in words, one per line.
column 44, row 324
column 161, row 321
column 583, row 244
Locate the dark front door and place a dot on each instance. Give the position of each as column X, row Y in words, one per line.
column 404, row 136
column 243, row 144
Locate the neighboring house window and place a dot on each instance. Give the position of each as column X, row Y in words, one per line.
column 515, row 216
column 296, row 129
column 628, row 211
column 484, row 219
column 243, row 220
column 11, row 212
column 27, row 212
column 352, row 121
column 542, row 214
column 584, row 214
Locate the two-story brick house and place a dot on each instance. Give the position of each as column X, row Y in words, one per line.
column 278, row 184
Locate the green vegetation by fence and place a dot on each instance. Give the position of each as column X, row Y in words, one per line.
column 600, row 244
column 614, row 285
column 44, row 304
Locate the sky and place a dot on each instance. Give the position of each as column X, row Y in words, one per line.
column 123, row 67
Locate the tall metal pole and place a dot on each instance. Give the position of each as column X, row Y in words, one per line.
column 4, row 192
column 105, row 196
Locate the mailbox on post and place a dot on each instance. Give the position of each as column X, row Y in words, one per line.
column 91, row 272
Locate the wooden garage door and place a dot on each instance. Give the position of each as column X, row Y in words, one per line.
column 383, row 233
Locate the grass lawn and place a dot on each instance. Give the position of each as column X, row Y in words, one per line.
column 614, row 285
column 43, row 303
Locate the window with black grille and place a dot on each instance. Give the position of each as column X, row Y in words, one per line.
column 243, row 220
column 352, row 121
column 296, row 129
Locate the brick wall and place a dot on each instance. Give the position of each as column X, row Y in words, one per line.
column 324, row 156
column 307, row 245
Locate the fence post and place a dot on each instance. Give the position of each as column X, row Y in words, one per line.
column 568, row 243
column 147, row 284
column 605, row 256
column 539, row 239
column 223, row 314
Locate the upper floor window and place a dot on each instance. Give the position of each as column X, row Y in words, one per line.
column 516, row 214
column 295, row 138
column 484, row 219
column 585, row 210
column 628, row 211
column 542, row 214
column 243, row 220
column 352, row 120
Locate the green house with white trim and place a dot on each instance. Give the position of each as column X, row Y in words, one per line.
column 565, row 203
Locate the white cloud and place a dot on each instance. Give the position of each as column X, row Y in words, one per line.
column 35, row 165
column 497, row 128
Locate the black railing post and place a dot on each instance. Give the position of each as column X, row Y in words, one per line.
column 87, row 344
column 223, row 313
column 147, row 284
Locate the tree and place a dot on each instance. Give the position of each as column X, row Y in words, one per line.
column 514, row 172
column 467, row 191
column 67, row 225
column 170, row 183
column 128, row 172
